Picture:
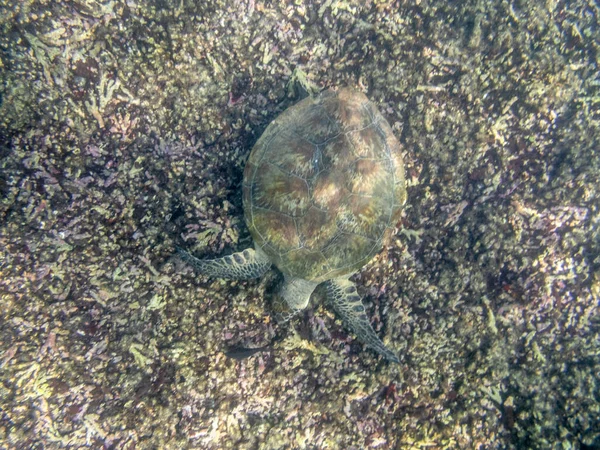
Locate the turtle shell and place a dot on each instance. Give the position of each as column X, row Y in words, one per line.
column 323, row 184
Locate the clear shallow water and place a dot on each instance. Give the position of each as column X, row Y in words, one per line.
column 125, row 126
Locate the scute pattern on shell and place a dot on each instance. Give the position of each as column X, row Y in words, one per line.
column 323, row 184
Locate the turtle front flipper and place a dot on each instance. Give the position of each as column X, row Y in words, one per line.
column 240, row 266
column 347, row 303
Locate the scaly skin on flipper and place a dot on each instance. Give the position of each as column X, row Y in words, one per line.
column 348, row 304
column 240, row 266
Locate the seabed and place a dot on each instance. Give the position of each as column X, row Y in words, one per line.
column 124, row 130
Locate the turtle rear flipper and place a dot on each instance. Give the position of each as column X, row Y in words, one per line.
column 348, row 304
column 249, row 263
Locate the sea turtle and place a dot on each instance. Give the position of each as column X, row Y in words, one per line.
column 322, row 188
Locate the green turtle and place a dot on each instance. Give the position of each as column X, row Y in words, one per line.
column 322, row 188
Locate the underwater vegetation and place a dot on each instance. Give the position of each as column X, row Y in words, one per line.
column 124, row 130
